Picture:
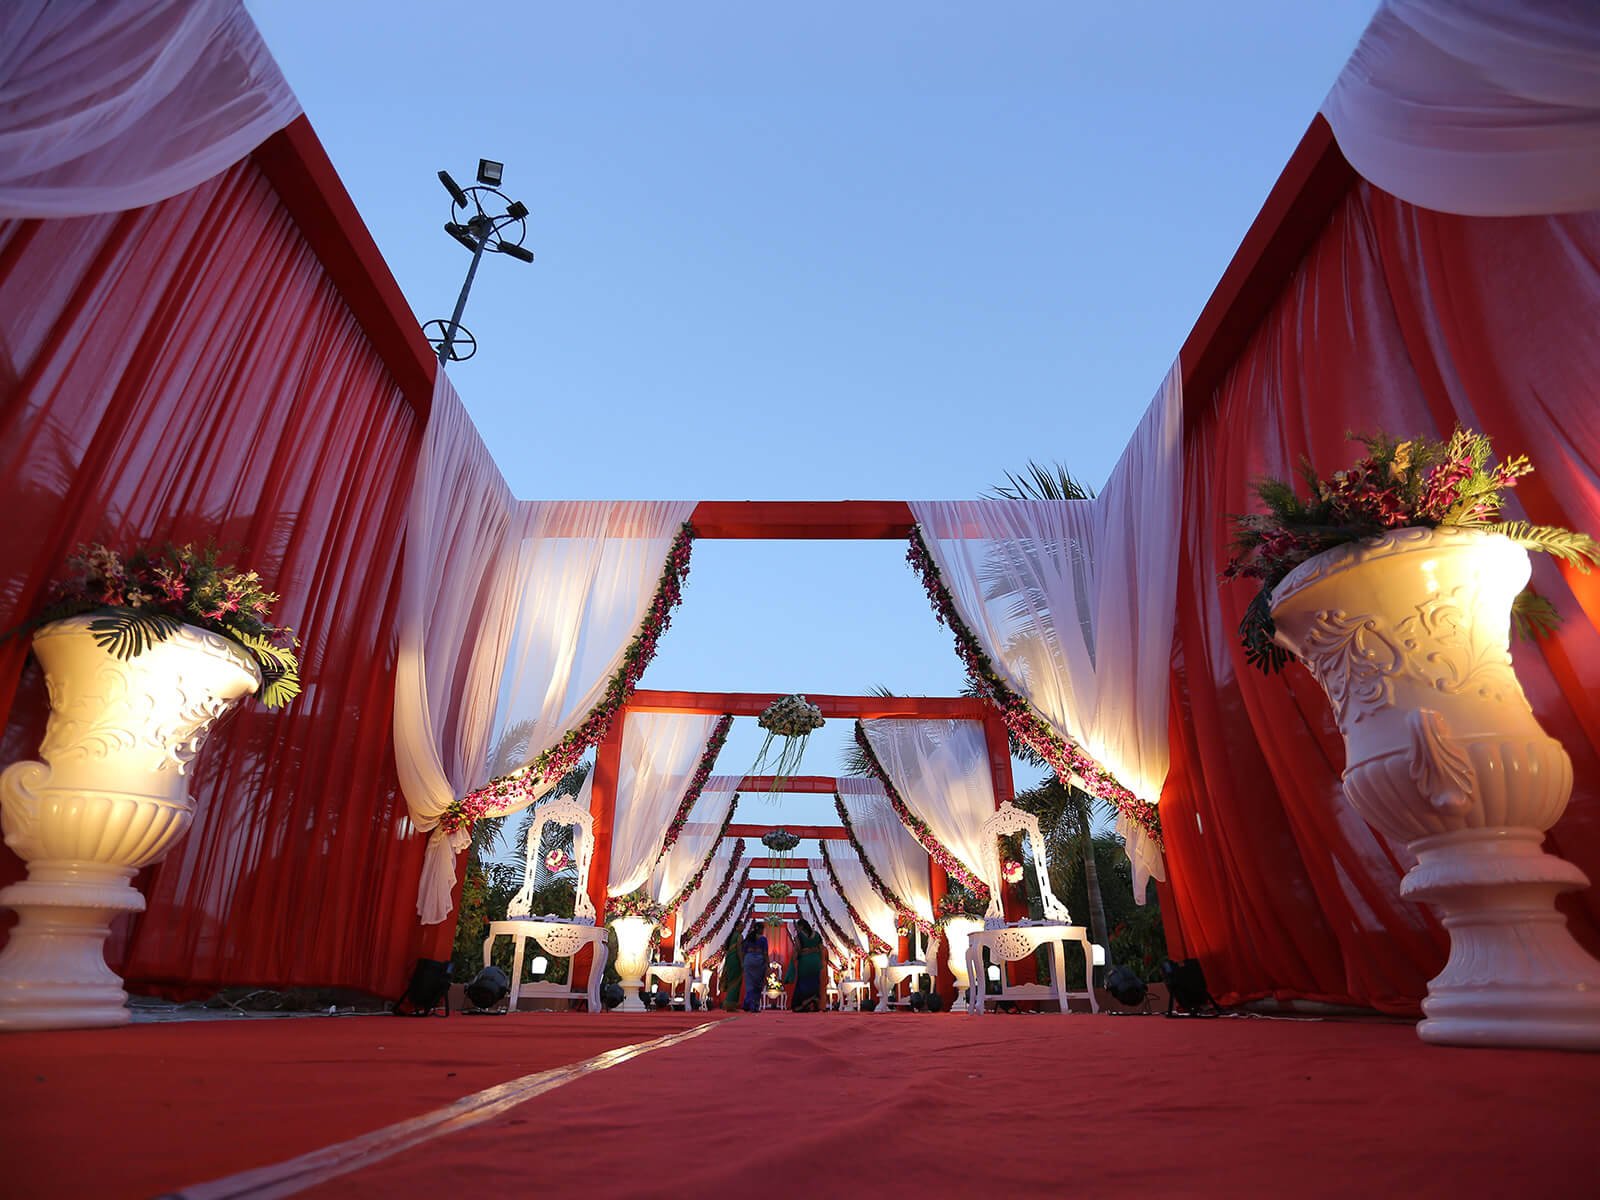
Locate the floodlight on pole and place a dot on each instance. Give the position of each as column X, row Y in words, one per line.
column 474, row 223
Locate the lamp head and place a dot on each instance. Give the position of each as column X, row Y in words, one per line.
column 490, row 173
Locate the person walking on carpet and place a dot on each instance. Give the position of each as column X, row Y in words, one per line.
column 755, row 967
column 806, row 969
column 732, row 970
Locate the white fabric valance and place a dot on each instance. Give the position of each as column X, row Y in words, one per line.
column 514, row 616
column 858, row 890
column 941, row 771
column 678, row 864
column 1478, row 107
column 111, row 106
column 694, row 904
column 900, row 860
column 660, row 752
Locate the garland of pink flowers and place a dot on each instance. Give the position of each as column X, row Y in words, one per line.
column 875, row 944
column 523, row 786
column 721, row 951
column 691, row 936
column 1063, row 756
column 705, row 864
column 918, row 828
column 719, row 734
column 821, row 909
column 904, row 917
column 740, row 911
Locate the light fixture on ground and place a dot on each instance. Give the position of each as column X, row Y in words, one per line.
column 484, row 220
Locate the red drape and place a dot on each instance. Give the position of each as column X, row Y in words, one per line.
column 187, row 372
column 1409, row 321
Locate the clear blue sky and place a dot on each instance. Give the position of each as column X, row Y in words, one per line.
column 818, row 250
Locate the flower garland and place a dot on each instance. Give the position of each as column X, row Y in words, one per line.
column 918, row 828
column 691, row 936
column 1064, row 757
column 715, row 937
column 904, row 917
column 687, row 889
column 528, row 783
column 827, row 920
column 708, row 759
column 875, row 944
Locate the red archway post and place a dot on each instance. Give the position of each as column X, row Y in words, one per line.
column 1012, row 896
column 603, row 808
column 944, row 980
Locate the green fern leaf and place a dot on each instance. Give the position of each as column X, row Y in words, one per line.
column 1532, row 616
column 1578, row 549
column 129, row 632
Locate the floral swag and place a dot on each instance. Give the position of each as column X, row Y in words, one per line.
column 1063, row 756
column 918, row 828
column 904, row 917
column 826, row 918
column 875, row 944
column 692, row 936
column 527, row 784
column 719, row 735
column 694, row 882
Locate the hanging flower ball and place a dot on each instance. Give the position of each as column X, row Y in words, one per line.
column 1012, row 872
column 556, row 861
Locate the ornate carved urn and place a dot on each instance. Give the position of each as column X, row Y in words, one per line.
column 111, row 796
column 633, row 957
column 1409, row 636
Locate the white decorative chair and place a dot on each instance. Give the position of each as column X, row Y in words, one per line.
column 561, row 937
column 1010, row 941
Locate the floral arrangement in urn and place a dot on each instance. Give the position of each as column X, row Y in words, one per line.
column 958, row 902
column 142, row 600
column 635, row 904
column 1417, row 483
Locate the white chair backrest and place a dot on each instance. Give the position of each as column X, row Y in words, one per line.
column 564, row 810
column 1009, row 819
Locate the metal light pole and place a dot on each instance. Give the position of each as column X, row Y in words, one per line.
column 478, row 231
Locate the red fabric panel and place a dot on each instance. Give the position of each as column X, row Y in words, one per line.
column 186, row 372
column 1409, row 321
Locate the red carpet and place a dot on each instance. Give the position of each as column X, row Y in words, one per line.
column 134, row 1112
column 832, row 1104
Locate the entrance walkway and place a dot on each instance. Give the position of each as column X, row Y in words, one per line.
column 827, row 1104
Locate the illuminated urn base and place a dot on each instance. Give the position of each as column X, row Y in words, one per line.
column 1409, row 636
column 110, row 796
column 956, row 932
column 633, row 957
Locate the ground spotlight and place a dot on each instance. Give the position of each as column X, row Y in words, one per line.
column 487, row 989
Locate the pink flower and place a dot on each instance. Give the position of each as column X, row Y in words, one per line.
column 1012, row 872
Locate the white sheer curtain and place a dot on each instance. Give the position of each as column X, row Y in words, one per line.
column 111, row 106
column 858, row 890
column 941, row 770
column 694, row 842
column 831, row 904
column 694, row 904
column 514, row 616
column 900, row 860
column 1479, row 107
column 660, row 752
column 1074, row 601
column 716, row 931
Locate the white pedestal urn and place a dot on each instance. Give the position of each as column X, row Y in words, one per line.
column 111, row 796
column 633, row 956
column 956, row 932
column 1409, row 635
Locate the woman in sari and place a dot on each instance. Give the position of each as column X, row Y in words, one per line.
column 807, row 968
column 755, row 967
column 732, row 970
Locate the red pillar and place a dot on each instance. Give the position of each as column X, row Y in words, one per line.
column 1013, row 896
column 944, row 980
column 603, row 808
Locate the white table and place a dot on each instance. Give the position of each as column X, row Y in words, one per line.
column 889, row 978
column 559, row 939
column 671, row 974
column 1016, row 942
column 856, row 987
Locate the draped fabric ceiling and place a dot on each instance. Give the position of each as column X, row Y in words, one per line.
column 147, row 396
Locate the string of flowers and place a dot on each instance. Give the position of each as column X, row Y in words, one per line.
column 528, row 783
column 698, row 877
column 692, row 936
column 721, row 951
column 1062, row 755
column 875, row 944
column 827, row 919
column 697, row 783
column 904, row 917
column 740, row 912
column 918, row 828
